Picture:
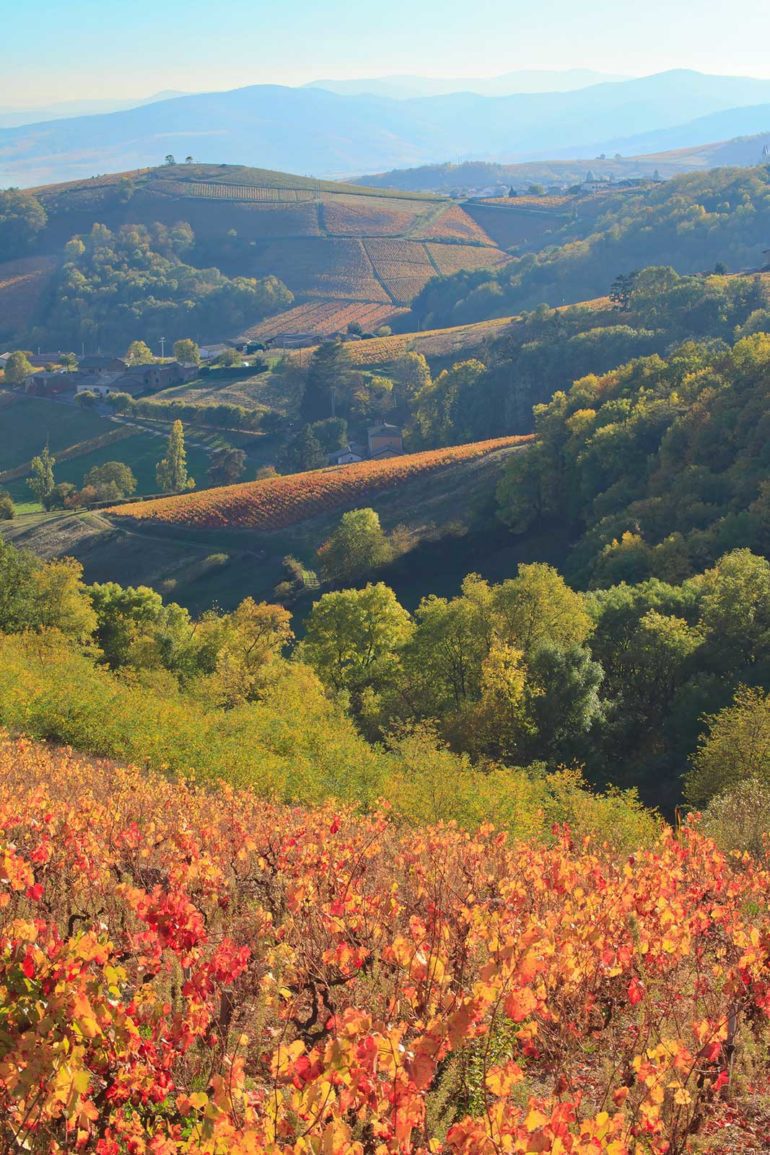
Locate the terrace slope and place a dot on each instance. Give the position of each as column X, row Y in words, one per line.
column 367, row 248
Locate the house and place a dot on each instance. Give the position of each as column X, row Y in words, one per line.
column 151, row 378
column 344, row 456
column 45, row 384
column 100, row 383
column 102, row 363
column 385, row 440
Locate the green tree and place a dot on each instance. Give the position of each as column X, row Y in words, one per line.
column 354, row 638
column 17, row 368
column 356, row 548
column 187, row 352
column 139, row 353
column 227, row 466
column 42, row 480
column 539, row 607
column 22, row 218
column 7, row 508
column 171, row 473
column 735, row 610
column 303, row 452
column 16, row 598
column 326, row 377
column 61, row 599
column 734, row 749
column 112, row 481
column 564, row 701
column 411, row 374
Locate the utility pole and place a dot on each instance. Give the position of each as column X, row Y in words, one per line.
column 163, row 348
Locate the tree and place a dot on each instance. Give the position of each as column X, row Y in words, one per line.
column 171, row 472
column 227, row 466
column 621, row 290
column 356, row 548
column 303, row 452
column 187, row 352
column 411, row 374
column 17, row 368
column 734, row 749
column 61, row 599
column 139, row 353
column 42, row 480
column 170, row 158
column 22, row 218
column 112, row 481
column 327, row 372
column 7, row 508
column 538, row 607
column 354, row 637
column 564, row 701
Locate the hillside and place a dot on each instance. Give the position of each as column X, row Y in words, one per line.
column 279, row 917
column 693, row 156
column 314, row 131
column 230, row 543
column 280, row 502
column 345, row 253
column 692, row 223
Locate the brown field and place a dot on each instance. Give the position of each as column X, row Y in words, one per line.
column 276, row 503
column 453, row 258
column 320, row 267
column 453, row 224
column 324, row 318
column 370, row 216
column 461, row 340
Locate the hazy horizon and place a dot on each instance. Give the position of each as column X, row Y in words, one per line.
column 130, row 53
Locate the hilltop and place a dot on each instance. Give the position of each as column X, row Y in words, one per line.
column 359, row 254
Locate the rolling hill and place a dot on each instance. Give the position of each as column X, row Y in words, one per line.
column 316, row 131
column 346, row 253
column 691, row 157
column 227, row 544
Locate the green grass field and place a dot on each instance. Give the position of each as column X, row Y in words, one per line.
column 26, row 423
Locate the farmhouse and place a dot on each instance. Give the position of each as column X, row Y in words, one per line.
column 385, row 440
column 50, row 384
column 102, row 363
column 345, row 456
column 149, row 378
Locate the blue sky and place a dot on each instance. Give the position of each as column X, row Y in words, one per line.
column 73, row 49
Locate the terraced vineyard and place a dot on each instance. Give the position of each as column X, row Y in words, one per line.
column 327, row 242
column 276, row 503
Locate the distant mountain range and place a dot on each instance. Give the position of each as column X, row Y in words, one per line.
column 510, row 83
column 321, row 133
column 13, row 117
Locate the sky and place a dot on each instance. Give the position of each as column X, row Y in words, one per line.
column 57, row 50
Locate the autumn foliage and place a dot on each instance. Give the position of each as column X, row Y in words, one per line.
column 183, row 971
column 281, row 501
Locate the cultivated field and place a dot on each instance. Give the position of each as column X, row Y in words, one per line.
column 276, row 503
column 325, row 241
column 325, row 317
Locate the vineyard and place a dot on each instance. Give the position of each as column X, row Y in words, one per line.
column 454, row 224
column 324, row 318
column 369, row 216
column 234, row 192
column 459, row 341
column 451, row 259
column 199, row 973
column 278, row 502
